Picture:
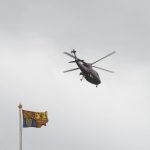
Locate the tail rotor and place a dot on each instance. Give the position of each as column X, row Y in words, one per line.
column 74, row 53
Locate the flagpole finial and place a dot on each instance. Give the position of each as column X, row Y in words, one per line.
column 20, row 106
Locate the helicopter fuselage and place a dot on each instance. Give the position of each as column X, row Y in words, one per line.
column 89, row 73
column 87, row 70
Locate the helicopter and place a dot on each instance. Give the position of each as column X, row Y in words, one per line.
column 86, row 69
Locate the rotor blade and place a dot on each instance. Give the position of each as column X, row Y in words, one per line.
column 69, row 54
column 71, row 61
column 103, row 57
column 103, row 69
column 70, row 70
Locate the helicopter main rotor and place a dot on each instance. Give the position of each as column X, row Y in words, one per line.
column 79, row 60
column 103, row 57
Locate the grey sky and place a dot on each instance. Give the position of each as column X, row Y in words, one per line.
column 34, row 34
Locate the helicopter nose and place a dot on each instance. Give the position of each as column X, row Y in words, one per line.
column 99, row 81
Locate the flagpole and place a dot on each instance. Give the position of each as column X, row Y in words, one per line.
column 20, row 127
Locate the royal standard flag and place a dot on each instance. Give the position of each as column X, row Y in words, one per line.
column 34, row 119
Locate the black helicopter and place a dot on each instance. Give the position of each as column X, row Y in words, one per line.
column 87, row 70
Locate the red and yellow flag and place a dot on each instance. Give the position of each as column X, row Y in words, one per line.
column 34, row 119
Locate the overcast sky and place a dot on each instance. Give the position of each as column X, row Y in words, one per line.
column 33, row 36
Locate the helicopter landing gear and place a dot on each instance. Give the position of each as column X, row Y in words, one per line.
column 82, row 78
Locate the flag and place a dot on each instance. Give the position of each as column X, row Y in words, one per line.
column 34, row 119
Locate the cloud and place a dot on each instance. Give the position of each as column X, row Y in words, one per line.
column 34, row 36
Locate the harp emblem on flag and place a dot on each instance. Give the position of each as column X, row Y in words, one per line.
column 28, row 122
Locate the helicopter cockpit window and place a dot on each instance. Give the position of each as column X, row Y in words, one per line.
column 85, row 65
